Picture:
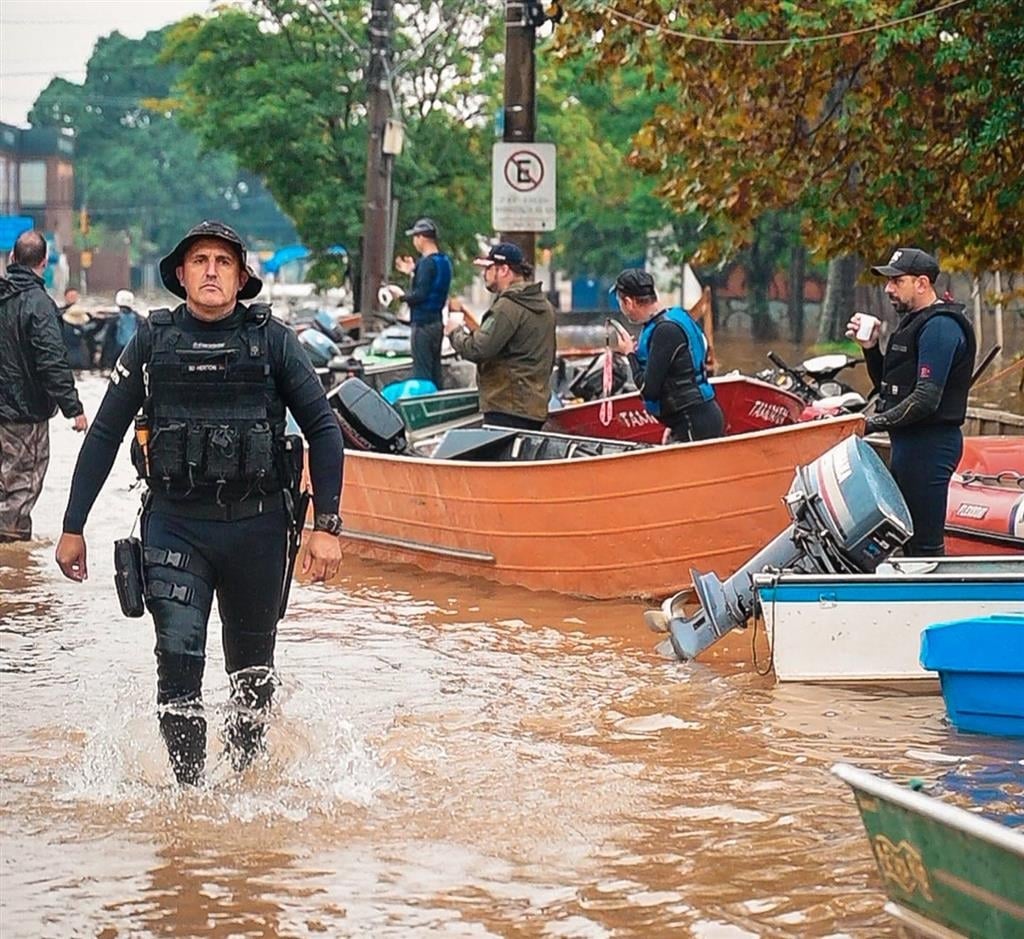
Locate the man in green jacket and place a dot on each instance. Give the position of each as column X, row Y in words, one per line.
column 514, row 345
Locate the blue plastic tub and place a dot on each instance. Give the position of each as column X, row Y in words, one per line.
column 981, row 667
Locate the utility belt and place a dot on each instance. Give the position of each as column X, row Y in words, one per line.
column 207, row 510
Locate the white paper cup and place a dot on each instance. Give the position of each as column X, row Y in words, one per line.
column 866, row 324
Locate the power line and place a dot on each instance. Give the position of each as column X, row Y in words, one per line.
column 792, row 40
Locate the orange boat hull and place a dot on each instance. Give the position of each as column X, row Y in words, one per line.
column 626, row 525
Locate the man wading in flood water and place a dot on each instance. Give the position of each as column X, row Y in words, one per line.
column 213, row 378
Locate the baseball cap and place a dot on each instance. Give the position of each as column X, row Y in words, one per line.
column 912, row 261
column 423, row 226
column 207, row 229
column 634, row 282
column 504, row 252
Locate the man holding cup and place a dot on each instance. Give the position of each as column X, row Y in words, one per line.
column 923, row 380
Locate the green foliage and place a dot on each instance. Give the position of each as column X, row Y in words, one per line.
column 137, row 170
column 905, row 134
column 283, row 88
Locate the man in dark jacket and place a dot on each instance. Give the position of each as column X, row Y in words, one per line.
column 923, row 381
column 35, row 379
column 514, row 345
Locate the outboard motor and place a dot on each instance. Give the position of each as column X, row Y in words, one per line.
column 848, row 516
column 367, row 421
column 320, row 348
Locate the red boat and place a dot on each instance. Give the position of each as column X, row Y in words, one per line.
column 985, row 511
column 748, row 404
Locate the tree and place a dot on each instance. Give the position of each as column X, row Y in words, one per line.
column 880, row 125
column 137, row 170
column 281, row 85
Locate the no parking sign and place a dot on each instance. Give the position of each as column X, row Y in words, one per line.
column 523, row 187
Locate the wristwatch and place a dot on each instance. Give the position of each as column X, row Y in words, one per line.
column 328, row 523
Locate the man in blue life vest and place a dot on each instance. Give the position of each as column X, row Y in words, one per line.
column 668, row 361
column 923, row 380
column 426, row 297
column 213, row 379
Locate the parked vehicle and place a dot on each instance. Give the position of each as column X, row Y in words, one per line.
column 816, row 381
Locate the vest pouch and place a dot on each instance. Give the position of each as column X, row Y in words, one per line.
column 258, row 463
column 167, row 452
column 222, row 452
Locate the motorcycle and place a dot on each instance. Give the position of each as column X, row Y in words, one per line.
column 815, row 381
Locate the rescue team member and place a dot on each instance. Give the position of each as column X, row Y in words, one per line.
column 213, row 378
column 923, row 381
column 426, row 297
column 514, row 345
column 668, row 361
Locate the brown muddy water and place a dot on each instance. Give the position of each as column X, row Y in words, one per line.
column 448, row 758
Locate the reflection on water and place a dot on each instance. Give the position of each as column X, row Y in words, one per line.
column 446, row 758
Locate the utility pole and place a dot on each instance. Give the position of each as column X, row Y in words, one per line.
column 377, row 206
column 520, row 119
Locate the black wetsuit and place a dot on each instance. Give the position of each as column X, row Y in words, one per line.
column 200, row 544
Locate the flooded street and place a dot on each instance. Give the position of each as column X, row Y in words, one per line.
column 447, row 758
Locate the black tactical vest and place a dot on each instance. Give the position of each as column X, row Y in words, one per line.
column 214, row 424
column 899, row 367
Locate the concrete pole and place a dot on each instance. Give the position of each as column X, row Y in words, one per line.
column 999, row 310
column 520, row 93
column 976, row 299
column 377, row 206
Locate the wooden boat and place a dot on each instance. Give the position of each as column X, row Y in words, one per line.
column 748, row 404
column 947, row 872
column 620, row 525
column 985, row 510
column 867, row 627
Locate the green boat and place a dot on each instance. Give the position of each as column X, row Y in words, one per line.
column 443, row 407
column 947, row 872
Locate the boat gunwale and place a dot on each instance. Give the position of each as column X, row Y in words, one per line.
column 951, row 816
column 647, row 452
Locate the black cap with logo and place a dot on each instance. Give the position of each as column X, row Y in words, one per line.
column 423, row 226
column 504, row 252
column 207, row 229
column 911, row 261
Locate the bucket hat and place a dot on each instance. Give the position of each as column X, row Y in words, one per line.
column 207, row 229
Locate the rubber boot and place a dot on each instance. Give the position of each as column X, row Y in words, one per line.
column 183, row 728
column 245, row 727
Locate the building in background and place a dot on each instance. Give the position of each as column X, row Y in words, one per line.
column 37, row 190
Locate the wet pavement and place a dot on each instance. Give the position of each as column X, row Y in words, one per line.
column 447, row 758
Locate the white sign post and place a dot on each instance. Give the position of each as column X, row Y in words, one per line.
column 523, row 187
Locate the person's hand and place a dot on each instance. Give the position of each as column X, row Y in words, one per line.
column 80, row 424
column 863, row 329
column 405, row 264
column 70, row 556
column 455, row 305
column 622, row 342
column 323, row 556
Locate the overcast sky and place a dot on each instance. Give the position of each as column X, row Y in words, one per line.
column 40, row 39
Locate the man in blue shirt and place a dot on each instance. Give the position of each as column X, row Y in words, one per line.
column 426, row 297
column 923, row 381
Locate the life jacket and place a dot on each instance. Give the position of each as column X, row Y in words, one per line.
column 900, row 369
column 214, row 425
column 686, row 384
column 429, row 309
